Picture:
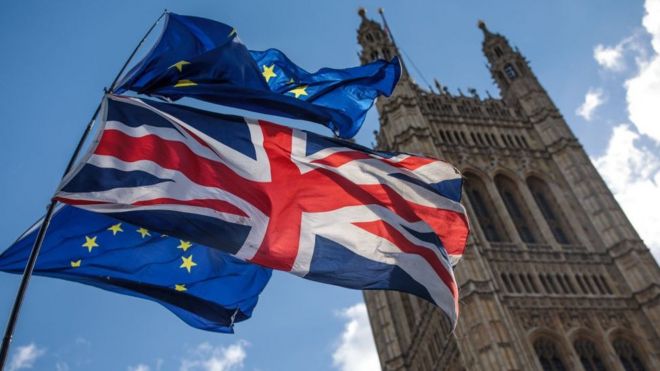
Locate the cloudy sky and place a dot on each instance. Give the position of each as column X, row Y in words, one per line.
column 599, row 61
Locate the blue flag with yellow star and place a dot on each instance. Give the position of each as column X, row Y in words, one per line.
column 205, row 287
column 200, row 58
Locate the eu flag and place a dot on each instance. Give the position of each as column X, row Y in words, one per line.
column 200, row 58
column 205, row 287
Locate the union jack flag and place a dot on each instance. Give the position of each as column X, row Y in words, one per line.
column 283, row 198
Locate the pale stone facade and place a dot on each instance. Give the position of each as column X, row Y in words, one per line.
column 554, row 276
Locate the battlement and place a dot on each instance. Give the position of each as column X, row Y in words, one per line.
column 470, row 109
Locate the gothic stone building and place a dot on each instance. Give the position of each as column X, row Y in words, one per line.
column 554, row 276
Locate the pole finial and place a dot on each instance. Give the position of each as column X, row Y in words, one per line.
column 362, row 12
column 482, row 25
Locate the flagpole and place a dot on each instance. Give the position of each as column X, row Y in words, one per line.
column 27, row 273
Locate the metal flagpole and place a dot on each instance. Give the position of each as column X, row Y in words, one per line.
column 27, row 274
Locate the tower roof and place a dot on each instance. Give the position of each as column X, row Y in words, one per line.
column 488, row 35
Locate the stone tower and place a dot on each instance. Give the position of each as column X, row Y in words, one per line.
column 554, row 276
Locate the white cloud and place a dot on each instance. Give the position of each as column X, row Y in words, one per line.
column 139, row 367
column 592, row 100
column 643, row 90
column 206, row 357
column 610, row 57
column 25, row 356
column 62, row 366
column 632, row 172
column 356, row 349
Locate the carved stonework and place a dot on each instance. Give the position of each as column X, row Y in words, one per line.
column 551, row 255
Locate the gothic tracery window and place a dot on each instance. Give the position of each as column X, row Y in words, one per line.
column 589, row 357
column 510, row 72
column 550, row 210
column 548, row 355
column 519, row 213
column 484, row 209
column 628, row 356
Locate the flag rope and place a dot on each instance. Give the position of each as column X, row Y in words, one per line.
column 27, row 273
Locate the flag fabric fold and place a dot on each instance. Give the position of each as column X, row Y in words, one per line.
column 205, row 287
column 200, row 58
column 321, row 208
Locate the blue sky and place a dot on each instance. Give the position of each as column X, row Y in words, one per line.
column 58, row 56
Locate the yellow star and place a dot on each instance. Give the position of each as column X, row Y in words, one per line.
column 179, row 65
column 90, row 243
column 299, row 91
column 268, row 72
column 143, row 232
column 188, row 263
column 180, row 287
column 184, row 245
column 116, row 229
column 184, row 83
column 76, row 264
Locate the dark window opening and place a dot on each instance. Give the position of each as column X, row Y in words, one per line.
column 532, row 283
column 507, row 284
column 605, row 284
column 495, row 143
column 628, row 355
column 484, row 209
column 589, row 356
column 519, row 213
column 550, row 210
column 548, row 355
column 510, row 72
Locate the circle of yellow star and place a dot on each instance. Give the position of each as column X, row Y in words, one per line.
column 90, row 243
column 143, row 232
column 184, row 245
column 115, row 229
column 268, row 72
column 188, row 263
column 299, row 91
column 180, row 287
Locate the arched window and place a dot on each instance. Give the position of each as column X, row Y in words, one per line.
column 605, row 284
column 532, row 283
column 581, row 283
column 519, row 213
column 550, row 210
column 628, row 355
column 525, row 283
column 545, row 284
column 569, row 284
column 483, row 208
column 507, row 284
column 515, row 282
column 548, row 355
column 589, row 356
column 510, row 72
column 495, row 143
